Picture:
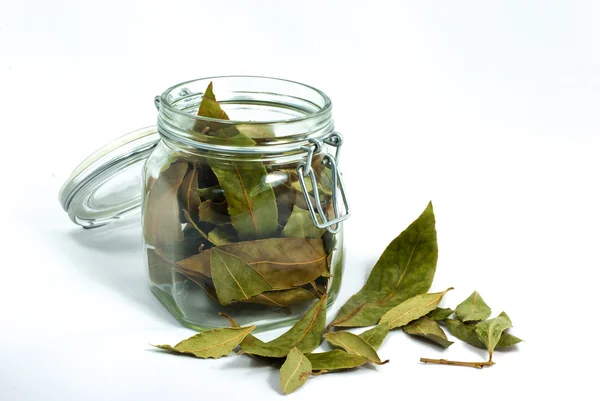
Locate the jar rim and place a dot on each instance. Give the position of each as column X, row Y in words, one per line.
column 325, row 109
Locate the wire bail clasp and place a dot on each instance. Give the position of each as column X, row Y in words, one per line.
column 305, row 169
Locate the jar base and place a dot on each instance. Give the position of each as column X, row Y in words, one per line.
column 266, row 324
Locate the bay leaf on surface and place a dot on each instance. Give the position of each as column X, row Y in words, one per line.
column 405, row 269
column 412, row 309
column 283, row 262
column 429, row 329
column 490, row 331
column 353, row 344
column 233, row 278
column 213, row 343
column 294, row 372
column 250, row 199
column 473, row 309
column 301, row 225
column 305, row 335
column 190, row 199
column 375, row 336
column 440, row 314
column 161, row 213
column 213, row 213
column 335, row 360
column 283, row 298
column 468, row 334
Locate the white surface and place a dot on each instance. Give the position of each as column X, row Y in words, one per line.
column 490, row 109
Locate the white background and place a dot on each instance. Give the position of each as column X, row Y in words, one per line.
column 490, row 109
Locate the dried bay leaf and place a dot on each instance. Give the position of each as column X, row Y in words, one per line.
column 283, row 298
column 187, row 192
column 353, row 344
column 294, row 372
column 468, row 334
column 375, row 336
column 405, row 269
column 283, row 262
column 337, row 359
column 209, row 107
column 490, row 331
column 221, row 236
column 440, row 314
column 473, row 309
column 412, row 309
column 250, row 199
column 191, row 222
column 301, row 225
column 213, row 343
column 213, row 213
column 159, row 270
column 429, row 329
column 305, row 335
column 233, row 278
column 161, row 213
column 209, row 192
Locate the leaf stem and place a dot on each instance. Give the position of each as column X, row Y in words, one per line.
column 477, row 365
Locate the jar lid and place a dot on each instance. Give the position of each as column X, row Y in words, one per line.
column 108, row 184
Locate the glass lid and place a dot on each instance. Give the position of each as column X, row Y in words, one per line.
column 108, row 184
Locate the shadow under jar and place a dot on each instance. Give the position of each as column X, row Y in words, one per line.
column 243, row 216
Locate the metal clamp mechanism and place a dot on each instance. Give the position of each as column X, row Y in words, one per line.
column 305, row 169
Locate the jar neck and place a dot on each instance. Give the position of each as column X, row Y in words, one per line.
column 269, row 117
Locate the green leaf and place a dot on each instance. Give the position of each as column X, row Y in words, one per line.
column 294, row 372
column 490, row 331
column 301, row 225
column 161, row 212
column 304, row 335
column 468, row 334
column 213, row 343
column 429, row 329
column 375, row 336
column 405, row 269
column 283, row 298
column 335, row 360
column 473, row 309
column 221, row 236
column 250, row 199
column 440, row 314
column 412, row 309
column 353, row 344
column 283, row 262
column 233, row 278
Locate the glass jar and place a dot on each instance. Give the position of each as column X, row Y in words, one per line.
column 241, row 215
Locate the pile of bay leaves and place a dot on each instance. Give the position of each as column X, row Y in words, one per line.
column 241, row 230
column 394, row 296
